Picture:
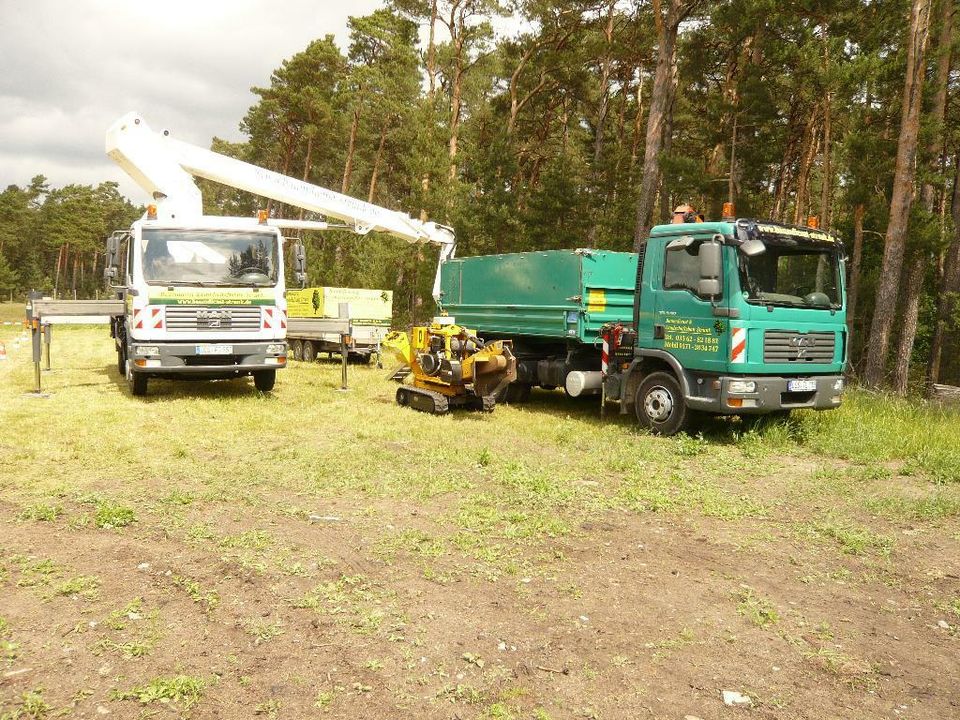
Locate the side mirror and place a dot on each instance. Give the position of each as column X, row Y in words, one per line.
column 711, row 269
column 113, row 251
column 300, row 263
column 753, row 247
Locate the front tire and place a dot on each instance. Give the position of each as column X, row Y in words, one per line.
column 660, row 406
column 264, row 380
column 137, row 381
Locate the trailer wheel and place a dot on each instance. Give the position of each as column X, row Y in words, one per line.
column 660, row 406
column 309, row 351
column 264, row 380
column 296, row 349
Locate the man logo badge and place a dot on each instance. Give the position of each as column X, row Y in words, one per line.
column 213, row 318
column 802, row 343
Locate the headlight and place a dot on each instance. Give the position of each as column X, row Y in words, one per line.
column 148, row 350
column 741, row 386
column 838, row 385
column 276, row 349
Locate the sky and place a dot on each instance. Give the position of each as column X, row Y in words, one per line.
column 69, row 68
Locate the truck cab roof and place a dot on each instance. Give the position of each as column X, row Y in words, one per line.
column 763, row 229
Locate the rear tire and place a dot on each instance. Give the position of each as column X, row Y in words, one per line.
column 121, row 361
column 296, row 349
column 264, row 380
column 660, row 406
column 309, row 351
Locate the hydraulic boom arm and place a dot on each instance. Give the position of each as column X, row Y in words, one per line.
column 165, row 168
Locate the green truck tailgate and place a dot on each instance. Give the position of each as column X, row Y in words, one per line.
column 550, row 294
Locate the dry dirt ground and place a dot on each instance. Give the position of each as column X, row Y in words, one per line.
column 210, row 552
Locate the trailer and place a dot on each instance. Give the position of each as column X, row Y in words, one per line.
column 313, row 321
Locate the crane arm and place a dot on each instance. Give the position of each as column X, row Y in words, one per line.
column 165, row 168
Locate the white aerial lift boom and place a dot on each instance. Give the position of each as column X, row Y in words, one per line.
column 204, row 295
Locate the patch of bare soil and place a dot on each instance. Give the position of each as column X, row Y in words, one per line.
column 631, row 616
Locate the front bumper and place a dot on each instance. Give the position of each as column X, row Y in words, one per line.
column 770, row 394
column 221, row 359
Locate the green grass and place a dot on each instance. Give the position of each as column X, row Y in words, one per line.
column 871, row 428
column 757, row 609
column 226, row 480
column 31, row 705
column 113, row 515
column 183, row 689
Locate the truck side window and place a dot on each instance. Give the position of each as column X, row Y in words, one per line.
column 681, row 269
column 128, row 269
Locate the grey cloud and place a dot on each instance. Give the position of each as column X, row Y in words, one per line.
column 68, row 69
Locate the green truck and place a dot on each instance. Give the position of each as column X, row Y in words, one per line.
column 739, row 317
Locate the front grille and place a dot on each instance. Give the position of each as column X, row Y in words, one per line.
column 784, row 346
column 212, row 319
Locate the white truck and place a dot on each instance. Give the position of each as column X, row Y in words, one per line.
column 204, row 296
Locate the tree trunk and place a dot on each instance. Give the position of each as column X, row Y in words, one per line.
column 432, row 51
column 637, row 121
column 785, row 176
column 908, row 329
column 351, row 145
column 854, row 290
column 377, row 160
column 949, row 284
column 939, row 109
column 668, row 26
column 913, row 285
column 306, row 167
column 826, row 182
column 664, row 193
column 811, row 142
column 902, row 198
column 601, row 114
column 455, row 103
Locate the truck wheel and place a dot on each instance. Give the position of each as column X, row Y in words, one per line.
column 660, row 406
column 264, row 380
column 296, row 349
column 309, row 351
column 137, row 381
column 121, row 361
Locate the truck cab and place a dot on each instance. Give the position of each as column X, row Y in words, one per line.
column 203, row 299
column 736, row 317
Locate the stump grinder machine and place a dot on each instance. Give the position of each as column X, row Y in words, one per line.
column 451, row 367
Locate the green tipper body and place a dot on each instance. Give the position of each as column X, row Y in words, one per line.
column 549, row 295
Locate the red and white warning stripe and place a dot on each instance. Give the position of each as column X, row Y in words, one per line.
column 738, row 345
column 269, row 319
column 149, row 317
column 604, row 356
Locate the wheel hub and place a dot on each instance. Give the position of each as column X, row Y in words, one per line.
column 658, row 404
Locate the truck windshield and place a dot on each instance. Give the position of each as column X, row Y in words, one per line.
column 792, row 275
column 209, row 257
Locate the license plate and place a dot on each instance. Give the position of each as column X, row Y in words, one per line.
column 801, row 385
column 214, row 349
